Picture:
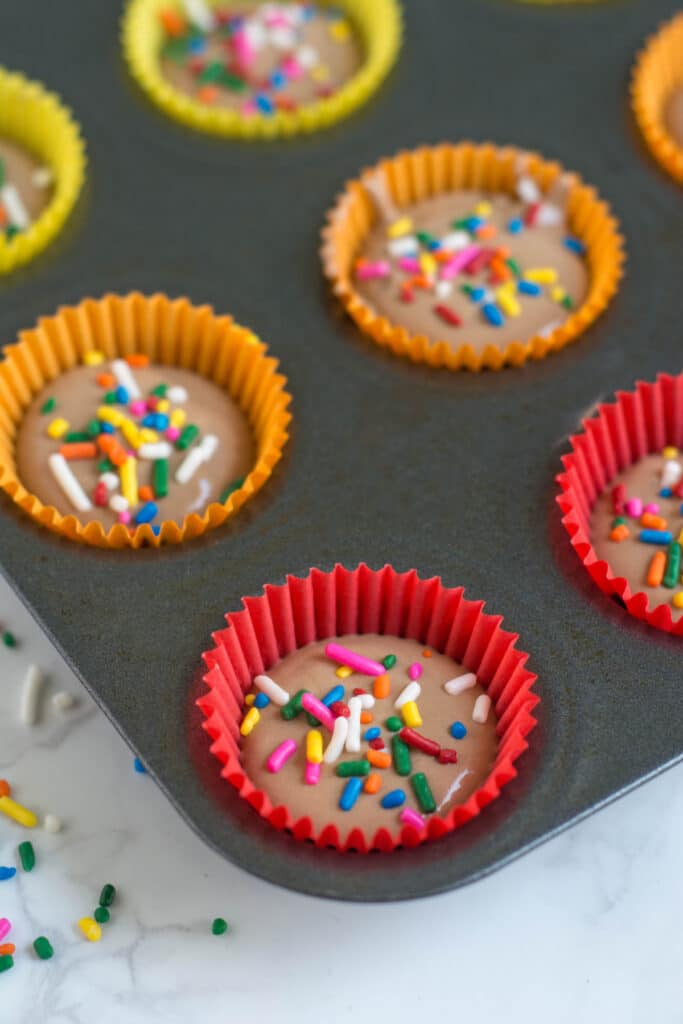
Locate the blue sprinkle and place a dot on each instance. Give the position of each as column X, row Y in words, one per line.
column 197, row 44
column 156, row 530
column 6, row 873
column 655, row 536
column 472, row 223
column 434, row 245
column 575, row 245
column 264, row 104
column 336, row 693
column 515, row 226
column 139, row 766
column 393, row 799
column 107, row 428
column 493, row 314
column 351, row 793
column 148, row 420
column 528, row 287
column 278, row 80
column 121, row 395
column 372, row 734
column 477, row 294
column 161, row 421
column 262, row 701
column 458, row 731
column 666, row 492
column 147, row 513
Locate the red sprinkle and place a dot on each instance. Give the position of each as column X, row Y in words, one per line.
column 358, row 690
column 678, row 490
column 447, row 756
column 420, row 742
column 448, row 314
column 339, row 709
column 100, row 494
column 531, row 214
column 377, row 744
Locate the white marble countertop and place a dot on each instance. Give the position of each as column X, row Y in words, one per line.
column 586, row 929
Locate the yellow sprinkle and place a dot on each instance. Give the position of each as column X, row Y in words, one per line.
column 428, row 264
column 128, row 473
column 163, row 405
column 17, row 813
column 148, row 436
column 249, row 699
column 90, row 929
column 340, row 30
column 93, row 358
column 343, row 672
column 403, row 226
column 109, row 415
column 252, row 718
column 541, row 275
column 669, row 452
column 130, row 432
column 320, row 73
column 677, row 599
column 508, row 303
column 58, row 427
column 178, row 417
column 411, row 714
column 483, row 209
column 314, row 746
column 557, row 294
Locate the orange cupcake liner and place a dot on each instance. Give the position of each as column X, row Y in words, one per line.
column 420, row 174
column 168, row 331
column 362, row 600
column 616, row 436
column 657, row 73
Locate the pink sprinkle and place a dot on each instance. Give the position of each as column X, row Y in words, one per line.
column 292, row 69
column 634, row 508
column 172, row 433
column 312, row 774
column 5, row 927
column 459, row 262
column 409, row 264
column 415, row 670
column 367, row 271
column 242, row 47
column 124, row 517
column 130, row 453
column 343, row 656
column 138, row 407
column 412, row 818
column 277, row 19
column 248, row 108
column 316, row 707
column 652, row 508
column 280, row 756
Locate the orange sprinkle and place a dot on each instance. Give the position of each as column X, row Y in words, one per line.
column 655, row 573
column 378, row 758
column 502, row 253
column 207, row 94
column 426, row 653
column 442, row 255
column 619, row 532
column 486, row 231
column 173, row 24
column 381, row 686
column 79, row 450
column 146, row 493
column 9, row 948
column 106, row 380
column 3, row 216
column 366, row 717
column 112, row 449
column 501, row 270
column 138, row 360
column 653, row 522
column 419, row 281
column 373, row 783
column 5, row 789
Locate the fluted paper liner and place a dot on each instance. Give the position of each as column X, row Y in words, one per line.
column 171, row 332
column 36, row 119
column 378, row 24
column 618, row 435
column 658, row 73
column 328, row 604
column 420, row 174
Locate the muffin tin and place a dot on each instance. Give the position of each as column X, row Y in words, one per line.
column 451, row 474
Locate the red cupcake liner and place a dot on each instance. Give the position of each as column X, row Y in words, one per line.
column 618, row 434
column 362, row 600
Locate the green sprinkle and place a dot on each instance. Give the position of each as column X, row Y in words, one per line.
column 349, row 768
column 389, row 661
column 108, row 895
column 232, row 82
column 213, row 72
column 293, row 707
column 105, row 466
column 160, row 390
column 110, row 398
column 514, row 267
column 462, row 224
column 393, row 723
column 93, row 428
column 312, row 720
column 424, row 795
column 175, row 50
column 43, row 948
column 5, row 963
column 567, row 302
column 424, row 238
column 673, row 565
column 27, row 855
column 160, row 477
column 189, row 434
column 619, row 521
column 9, row 639
column 48, row 406
column 234, row 486
column 11, row 231
column 402, row 762
column 76, row 435
column 466, row 288
column 101, row 915
column 219, row 926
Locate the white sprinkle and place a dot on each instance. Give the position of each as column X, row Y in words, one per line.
column 336, row 744
column 51, row 823
column 110, row 480
column 282, row 38
column 307, row 56
column 62, row 473
column 117, row 503
column 13, row 203
column 63, row 701
column 671, row 473
column 410, row 692
column 204, row 451
column 482, row 706
column 454, row 786
column 353, row 734
column 549, row 216
column 30, row 695
column 158, row 450
column 202, row 499
column 527, row 190
column 367, row 701
column 177, row 395
column 271, row 689
column 256, row 34
column 124, row 377
column 42, row 177
column 460, row 684
column 406, row 246
column 455, row 240
column 443, row 289
column 546, row 331
column 198, row 12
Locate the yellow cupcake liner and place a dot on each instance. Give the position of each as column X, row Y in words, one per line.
column 171, row 332
column 419, row 174
column 378, row 23
column 657, row 74
column 36, row 119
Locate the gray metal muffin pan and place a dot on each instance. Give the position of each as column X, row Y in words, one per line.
column 452, row 474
